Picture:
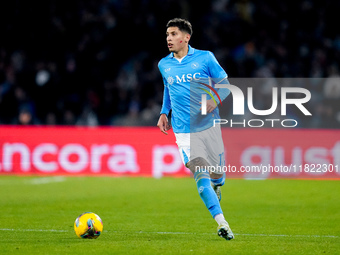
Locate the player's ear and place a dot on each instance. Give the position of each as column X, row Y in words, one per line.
column 187, row 37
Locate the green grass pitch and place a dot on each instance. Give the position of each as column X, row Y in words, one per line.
column 166, row 216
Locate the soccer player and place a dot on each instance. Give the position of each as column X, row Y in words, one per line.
column 183, row 67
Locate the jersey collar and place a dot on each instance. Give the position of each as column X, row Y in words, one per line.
column 190, row 52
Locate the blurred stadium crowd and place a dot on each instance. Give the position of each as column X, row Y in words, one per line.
column 94, row 62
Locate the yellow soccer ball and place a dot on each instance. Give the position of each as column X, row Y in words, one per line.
column 88, row 225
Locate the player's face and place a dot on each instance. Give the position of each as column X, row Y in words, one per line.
column 176, row 39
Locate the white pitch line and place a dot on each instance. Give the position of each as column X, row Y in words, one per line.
column 265, row 235
column 33, row 230
column 176, row 233
column 46, row 180
column 273, row 235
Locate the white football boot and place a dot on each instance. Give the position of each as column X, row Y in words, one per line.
column 224, row 231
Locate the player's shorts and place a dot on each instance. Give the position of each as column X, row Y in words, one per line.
column 207, row 144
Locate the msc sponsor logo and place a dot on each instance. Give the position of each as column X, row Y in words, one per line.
column 184, row 78
column 188, row 77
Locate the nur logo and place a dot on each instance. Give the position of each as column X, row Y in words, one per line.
column 238, row 99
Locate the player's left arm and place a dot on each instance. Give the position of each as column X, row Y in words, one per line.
column 218, row 75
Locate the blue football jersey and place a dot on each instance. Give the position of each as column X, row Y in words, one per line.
column 183, row 86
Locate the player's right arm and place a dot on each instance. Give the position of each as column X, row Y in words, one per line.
column 163, row 122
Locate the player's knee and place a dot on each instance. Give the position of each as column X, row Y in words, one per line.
column 196, row 164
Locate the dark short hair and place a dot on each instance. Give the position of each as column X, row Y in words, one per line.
column 182, row 24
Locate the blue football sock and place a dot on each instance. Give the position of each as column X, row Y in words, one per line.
column 219, row 181
column 207, row 193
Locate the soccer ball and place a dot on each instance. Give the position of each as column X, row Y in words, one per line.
column 88, row 225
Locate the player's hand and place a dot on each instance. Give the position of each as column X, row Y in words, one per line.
column 163, row 124
column 210, row 105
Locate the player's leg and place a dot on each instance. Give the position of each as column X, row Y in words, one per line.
column 208, row 195
column 192, row 155
column 216, row 156
column 198, row 166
